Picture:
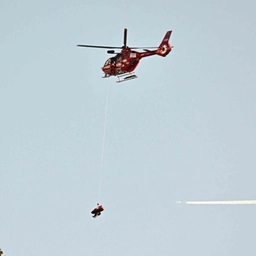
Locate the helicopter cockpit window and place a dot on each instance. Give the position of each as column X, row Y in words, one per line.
column 119, row 57
column 113, row 60
column 110, row 61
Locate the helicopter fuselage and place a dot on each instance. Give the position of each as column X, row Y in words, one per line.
column 124, row 62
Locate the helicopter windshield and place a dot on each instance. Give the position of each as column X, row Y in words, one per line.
column 107, row 62
column 110, row 61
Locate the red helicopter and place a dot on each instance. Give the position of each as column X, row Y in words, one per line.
column 125, row 62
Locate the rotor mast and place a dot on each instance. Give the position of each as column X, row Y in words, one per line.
column 125, row 38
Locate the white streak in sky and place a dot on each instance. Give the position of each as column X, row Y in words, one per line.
column 233, row 202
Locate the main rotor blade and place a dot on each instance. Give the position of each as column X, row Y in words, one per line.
column 144, row 47
column 98, row 46
column 125, row 37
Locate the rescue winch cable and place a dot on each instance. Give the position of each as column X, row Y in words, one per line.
column 103, row 143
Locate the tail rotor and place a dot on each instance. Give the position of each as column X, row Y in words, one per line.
column 165, row 46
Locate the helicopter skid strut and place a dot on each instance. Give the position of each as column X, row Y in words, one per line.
column 125, row 77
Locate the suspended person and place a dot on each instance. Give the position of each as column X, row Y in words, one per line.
column 1, row 252
column 97, row 211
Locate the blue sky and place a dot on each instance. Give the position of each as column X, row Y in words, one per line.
column 184, row 130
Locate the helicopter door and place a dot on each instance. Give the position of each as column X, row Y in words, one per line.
column 119, row 60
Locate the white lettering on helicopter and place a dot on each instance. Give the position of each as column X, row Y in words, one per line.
column 133, row 55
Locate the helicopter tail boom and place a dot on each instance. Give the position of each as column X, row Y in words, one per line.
column 165, row 47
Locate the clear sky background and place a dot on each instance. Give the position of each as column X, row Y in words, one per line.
column 184, row 130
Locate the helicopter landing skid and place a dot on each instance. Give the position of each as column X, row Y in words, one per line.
column 126, row 77
column 106, row 76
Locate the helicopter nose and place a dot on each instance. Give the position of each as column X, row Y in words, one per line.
column 105, row 68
